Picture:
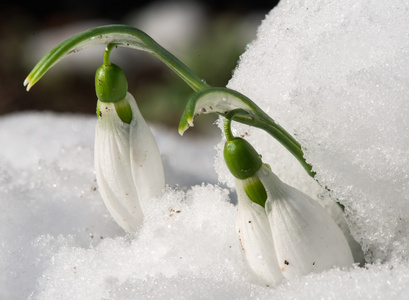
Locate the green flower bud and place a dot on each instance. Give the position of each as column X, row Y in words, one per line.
column 241, row 158
column 110, row 83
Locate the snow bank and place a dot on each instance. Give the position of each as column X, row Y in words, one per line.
column 335, row 75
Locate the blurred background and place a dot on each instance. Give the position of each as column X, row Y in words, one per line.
column 207, row 36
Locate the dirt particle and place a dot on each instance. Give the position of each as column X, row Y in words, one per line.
column 172, row 211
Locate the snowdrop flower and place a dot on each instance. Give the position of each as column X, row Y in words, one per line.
column 283, row 232
column 128, row 165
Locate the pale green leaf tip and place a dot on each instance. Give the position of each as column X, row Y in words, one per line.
column 28, row 84
column 182, row 130
column 184, row 125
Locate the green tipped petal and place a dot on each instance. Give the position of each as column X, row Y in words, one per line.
column 124, row 111
column 255, row 190
column 122, row 108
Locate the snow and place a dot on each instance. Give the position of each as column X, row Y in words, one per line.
column 334, row 75
column 339, row 83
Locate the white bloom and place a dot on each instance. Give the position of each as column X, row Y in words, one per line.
column 293, row 235
column 128, row 165
column 305, row 236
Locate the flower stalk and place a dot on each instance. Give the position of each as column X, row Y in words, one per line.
column 224, row 101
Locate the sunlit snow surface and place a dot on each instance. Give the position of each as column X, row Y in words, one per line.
column 334, row 75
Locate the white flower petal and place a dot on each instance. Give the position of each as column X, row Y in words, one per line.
column 146, row 162
column 305, row 236
column 337, row 214
column 127, row 163
column 256, row 240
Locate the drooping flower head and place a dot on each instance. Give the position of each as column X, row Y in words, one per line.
column 283, row 232
column 127, row 159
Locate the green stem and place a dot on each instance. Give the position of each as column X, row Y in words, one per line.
column 276, row 131
column 282, row 136
column 125, row 36
column 234, row 105
column 107, row 53
column 120, row 35
column 227, row 122
column 227, row 129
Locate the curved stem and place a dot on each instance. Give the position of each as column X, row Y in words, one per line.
column 234, row 105
column 107, row 53
column 126, row 36
column 120, row 35
column 227, row 122
column 282, row 136
column 227, row 129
